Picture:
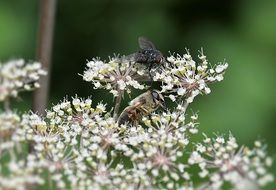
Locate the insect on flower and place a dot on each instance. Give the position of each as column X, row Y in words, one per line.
column 147, row 55
column 141, row 106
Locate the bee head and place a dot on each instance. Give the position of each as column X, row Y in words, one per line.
column 158, row 98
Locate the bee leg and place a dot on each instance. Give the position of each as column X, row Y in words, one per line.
column 135, row 123
column 132, row 115
column 143, row 112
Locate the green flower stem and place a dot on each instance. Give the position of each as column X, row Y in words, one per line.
column 7, row 104
column 117, row 104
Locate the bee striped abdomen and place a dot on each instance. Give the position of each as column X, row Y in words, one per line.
column 141, row 106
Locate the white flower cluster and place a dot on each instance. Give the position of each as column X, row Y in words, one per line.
column 159, row 149
column 182, row 77
column 9, row 121
column 18, row 170
column 221, row 160
column 73, row 143
column 16, row 76
column 114, row 75
column 81, row 146
column 21, row 174
column 78, row 111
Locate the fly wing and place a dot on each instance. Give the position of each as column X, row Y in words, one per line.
column 144, row 43
column 127, row 58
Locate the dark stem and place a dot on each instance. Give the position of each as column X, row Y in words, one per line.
column 44, row 51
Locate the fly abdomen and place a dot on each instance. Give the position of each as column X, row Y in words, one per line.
column 141, row 58
column 149, row 56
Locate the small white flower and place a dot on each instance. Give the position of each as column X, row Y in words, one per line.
column 101, row 107
column 220, row 68
column 172, row 97
column 181, row 91
column 207, row 90
column 219, row 77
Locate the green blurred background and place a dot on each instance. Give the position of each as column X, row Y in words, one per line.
column 242, row 32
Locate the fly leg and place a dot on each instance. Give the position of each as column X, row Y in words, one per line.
column 151, row 78
column 150, row 67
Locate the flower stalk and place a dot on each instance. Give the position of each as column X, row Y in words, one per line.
column 7, row 105
column 117, row 104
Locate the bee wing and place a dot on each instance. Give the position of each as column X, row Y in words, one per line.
column 139, row 100
column 144, row 43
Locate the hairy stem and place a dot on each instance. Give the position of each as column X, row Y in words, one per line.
column 117, row 104
column 204, row 186
column 7, row 104
column 185, row 106
column 50, row 183
column 137, row 187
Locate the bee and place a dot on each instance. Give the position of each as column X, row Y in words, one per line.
column 141, row 106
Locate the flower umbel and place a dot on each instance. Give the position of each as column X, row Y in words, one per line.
column 82, row 144
column 183, row 76
column 17, row 76
column 115, row 75
column 222, row 160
